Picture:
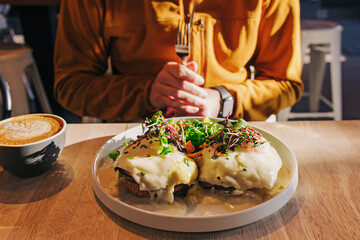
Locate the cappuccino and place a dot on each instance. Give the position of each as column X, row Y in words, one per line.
column 28, row 129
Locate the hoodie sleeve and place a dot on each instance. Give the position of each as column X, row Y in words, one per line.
column 81, row 57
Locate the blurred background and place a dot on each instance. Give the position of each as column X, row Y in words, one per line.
column 33, row 23
column 347, row 14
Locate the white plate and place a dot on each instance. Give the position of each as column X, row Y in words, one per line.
column 207, row 223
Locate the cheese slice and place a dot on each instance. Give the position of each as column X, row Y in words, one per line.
column 243, row 168
column 158, row 174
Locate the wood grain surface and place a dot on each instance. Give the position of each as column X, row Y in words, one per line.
column 61, row 204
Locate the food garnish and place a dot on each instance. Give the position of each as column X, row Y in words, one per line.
column 192, row 136
column 114, row 155
column 235, row 134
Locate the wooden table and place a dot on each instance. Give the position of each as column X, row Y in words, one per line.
column 61, row 204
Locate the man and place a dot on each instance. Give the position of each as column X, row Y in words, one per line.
column 139, row 37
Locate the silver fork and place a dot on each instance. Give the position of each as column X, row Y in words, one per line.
column 182, row 44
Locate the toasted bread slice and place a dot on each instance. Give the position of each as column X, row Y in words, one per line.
column 132, row 186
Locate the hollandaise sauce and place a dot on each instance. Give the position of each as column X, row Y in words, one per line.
column 198, row 202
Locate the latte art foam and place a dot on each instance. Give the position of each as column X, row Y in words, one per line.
column 27, row 129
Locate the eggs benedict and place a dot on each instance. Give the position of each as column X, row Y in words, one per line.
column 153, row 166
column 238, row 158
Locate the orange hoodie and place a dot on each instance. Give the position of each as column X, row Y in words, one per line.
column 139, row 37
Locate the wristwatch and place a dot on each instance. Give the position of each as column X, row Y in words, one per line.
column 227, row 102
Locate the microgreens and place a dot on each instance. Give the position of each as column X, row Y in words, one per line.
column 226, row 134
column 236, row 134
column 159, row 129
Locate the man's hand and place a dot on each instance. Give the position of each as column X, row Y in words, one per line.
column 179, row 87
column 210, row 109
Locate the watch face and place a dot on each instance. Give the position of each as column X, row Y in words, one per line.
column 228, row 105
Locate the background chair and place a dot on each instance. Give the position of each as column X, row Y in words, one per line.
column 320, row 43
column 18, row 68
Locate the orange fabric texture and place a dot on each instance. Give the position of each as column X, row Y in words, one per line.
column 139, row 38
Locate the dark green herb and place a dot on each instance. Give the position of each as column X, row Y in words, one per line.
column 114, row 155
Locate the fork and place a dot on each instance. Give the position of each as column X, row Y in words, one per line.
column 182, row 44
